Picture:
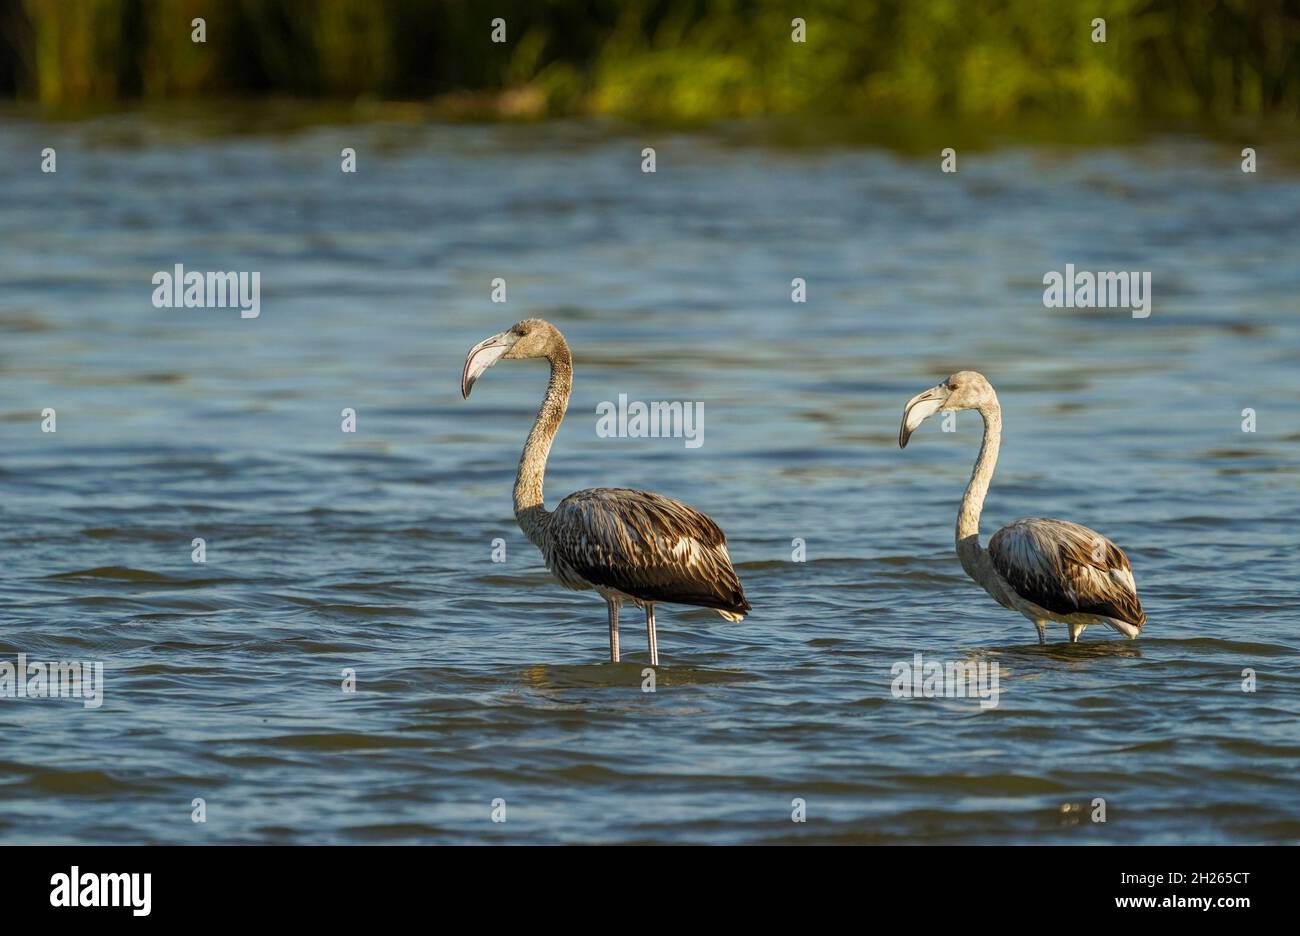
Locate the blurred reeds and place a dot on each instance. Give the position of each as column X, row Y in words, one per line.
column 672, row 59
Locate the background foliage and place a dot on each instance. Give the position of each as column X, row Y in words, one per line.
column 676, row 59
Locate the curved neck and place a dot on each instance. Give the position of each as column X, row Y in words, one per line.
column 969, row 550
column 530, row 510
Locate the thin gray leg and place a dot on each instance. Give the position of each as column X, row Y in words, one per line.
column 1076, row 630
column 1042, row 632
column 650, row 633
column 613, row 629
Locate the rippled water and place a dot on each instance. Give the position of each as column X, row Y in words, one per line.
column 479, row 680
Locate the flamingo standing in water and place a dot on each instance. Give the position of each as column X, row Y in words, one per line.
column 1048, row 570
column 627, row 545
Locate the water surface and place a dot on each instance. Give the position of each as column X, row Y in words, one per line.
column 479, row 680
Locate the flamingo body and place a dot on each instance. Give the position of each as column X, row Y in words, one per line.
column 1048, row 570
column 627, row 545
column 644, row 546
column 1067, row 573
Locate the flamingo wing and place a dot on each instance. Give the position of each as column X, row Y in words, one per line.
column 648, row 546
column 1066, row 568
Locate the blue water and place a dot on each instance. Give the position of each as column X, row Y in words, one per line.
column 479, row 680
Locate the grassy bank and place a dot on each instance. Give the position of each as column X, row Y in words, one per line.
column 672, row 59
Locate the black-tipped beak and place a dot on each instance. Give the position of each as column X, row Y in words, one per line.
column 482, row 356
column 918, row 409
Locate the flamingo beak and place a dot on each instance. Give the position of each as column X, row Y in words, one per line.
column 918, row 409
column 482, row 356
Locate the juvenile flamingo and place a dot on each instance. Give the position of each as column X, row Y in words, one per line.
column 1048, row 570
column 627, row 545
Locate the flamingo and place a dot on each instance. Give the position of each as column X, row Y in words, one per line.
column 1048, row 570
column 627, row 545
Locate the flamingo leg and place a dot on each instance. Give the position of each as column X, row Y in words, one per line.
column 1042, row 632
column 650, row 633
column 613, row 629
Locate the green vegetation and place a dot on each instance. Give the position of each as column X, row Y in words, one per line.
column 673, row 59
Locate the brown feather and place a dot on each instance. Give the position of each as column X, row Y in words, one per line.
column 650, row 547
column 1066, row 568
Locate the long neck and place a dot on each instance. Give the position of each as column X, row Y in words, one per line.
column 530, row 510
column 973, row 558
